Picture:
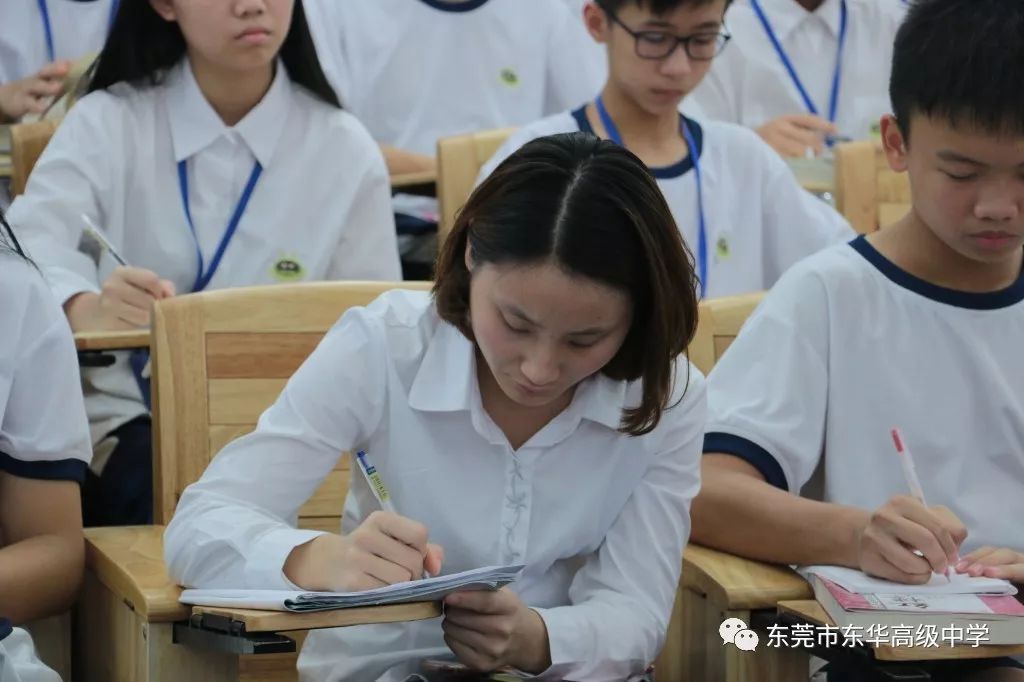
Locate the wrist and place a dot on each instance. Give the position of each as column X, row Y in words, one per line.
column 852, row 522
column 80, row 310
column 533, row 651
column 302, row 565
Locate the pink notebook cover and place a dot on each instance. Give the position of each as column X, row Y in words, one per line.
column 1001, row 604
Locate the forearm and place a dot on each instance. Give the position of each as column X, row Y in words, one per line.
column 401, row 161
column 40, row 576
column 738, row 512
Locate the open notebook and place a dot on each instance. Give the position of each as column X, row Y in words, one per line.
column 859, row 582
column 428, row 589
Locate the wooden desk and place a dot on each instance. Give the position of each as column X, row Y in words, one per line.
column 119, row 340
column 131, row 625
column 404, row 180
column 811, row 612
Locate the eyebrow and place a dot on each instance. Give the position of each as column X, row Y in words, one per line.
column 707, row 25
column 589, row 331
column 948, row 155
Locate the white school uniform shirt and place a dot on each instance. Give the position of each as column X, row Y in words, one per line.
column 43, row 430
column 599, row 518
column 415, row 71
column 78, row 29
column 320, row 210
column 759, row 220
column 748, row 83
column 848, row 346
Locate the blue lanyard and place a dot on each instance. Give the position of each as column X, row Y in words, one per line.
column 203, row 278
column 833, row 105
column 702, row 234
column 48, row 28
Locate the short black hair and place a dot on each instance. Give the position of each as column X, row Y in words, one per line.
column 656, row 6
column 142, row 46
column 961, row 61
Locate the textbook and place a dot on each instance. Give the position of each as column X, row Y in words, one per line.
column 993, row 618
column 859, row 582
column 428, row 589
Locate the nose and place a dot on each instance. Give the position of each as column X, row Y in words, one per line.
column 540, row 365
column 998, row 203
column 250, row 8
column 677, row 63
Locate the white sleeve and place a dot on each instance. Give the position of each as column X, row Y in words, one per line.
column 44, row 433
column 74, row 175
column 368, row 249
column 796, row 223
column 509, row 147
column 576, row 72
column 234, row 528
column 768, row 408
column 622, row 596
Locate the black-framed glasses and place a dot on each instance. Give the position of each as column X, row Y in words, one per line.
column 699, row 47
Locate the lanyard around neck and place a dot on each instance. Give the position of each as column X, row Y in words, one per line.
column 702, row 236
column 833, row 105
column 203, row 277
column 44, row 10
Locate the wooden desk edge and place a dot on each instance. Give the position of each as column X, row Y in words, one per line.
column 736, row 583
column 412, row 179
column 90, row 341
column 812, row 612
column 282, row 621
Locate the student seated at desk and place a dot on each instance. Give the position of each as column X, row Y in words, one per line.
column 44, row 450
column 803, row 71
column 919, row 326
column 214, row 154
column 536, row 409
column 739, row 207
column 39, row 41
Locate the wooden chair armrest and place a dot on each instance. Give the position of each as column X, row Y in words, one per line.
column 129, row 561
column 736, row 583
column 111, row 340
column 281, row 621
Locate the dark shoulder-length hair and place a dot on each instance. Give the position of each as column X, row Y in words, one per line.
column 8, row 242
column 142, row 46
column 593, row 208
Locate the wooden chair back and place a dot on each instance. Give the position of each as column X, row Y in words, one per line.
column 719, row 321
column 28, row 140
column 869, row 193
column 220, row 358
column 459, row 160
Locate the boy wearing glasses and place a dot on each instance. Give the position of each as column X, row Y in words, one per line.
column 737, row 204
column 804, row 72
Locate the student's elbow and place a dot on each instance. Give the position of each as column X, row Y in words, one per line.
column 722, row 486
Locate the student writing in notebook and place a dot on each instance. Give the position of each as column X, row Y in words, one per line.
column 534, row 410
column 39, row 40
column 213, row 153
column 739, row 207
column 44, row 450
column 918, row 326
column 804, row 72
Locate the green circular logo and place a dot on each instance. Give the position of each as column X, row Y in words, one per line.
column 288, row 270
column 509, row 77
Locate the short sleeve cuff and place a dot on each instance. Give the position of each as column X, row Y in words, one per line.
column 45, row 470
column 265, row 569
column 750, row 452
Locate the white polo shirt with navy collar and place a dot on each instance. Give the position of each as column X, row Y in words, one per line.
column 759, row 220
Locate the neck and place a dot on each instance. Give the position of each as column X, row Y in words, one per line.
column 637, row 127
column 232, row 94
column 912, row 246
column 810, row 5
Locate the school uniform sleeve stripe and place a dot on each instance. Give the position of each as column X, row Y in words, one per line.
column 750, row 452
column 51, row 470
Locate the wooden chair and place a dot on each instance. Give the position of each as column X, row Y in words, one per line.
column 715, row 585
column 459, row 160
column 868, row 193
column 219, row 359
column 28, row 140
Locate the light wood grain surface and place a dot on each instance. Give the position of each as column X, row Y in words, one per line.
column 112, row 340
column 736, row 583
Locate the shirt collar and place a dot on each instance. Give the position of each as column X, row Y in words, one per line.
column 787, row 15
column 446, row 382
column 195, row 125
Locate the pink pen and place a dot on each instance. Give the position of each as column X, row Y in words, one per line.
column 910, row 472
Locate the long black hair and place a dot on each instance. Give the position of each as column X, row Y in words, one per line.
column 8, row 242
column 142, row 46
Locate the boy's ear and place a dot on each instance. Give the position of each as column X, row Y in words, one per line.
column 596, row 22
column 894, row 144
column 164, row 8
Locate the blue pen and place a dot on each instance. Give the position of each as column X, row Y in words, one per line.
column 373, row 478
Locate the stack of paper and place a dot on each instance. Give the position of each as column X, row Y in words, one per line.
column 859, row 582
column 428, row 589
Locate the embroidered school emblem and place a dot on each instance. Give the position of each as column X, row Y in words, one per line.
column 509, row 77
column 722, row 248
column 287, row 269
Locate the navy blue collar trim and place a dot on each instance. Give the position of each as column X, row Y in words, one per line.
column 677, row 169
column 5, row 628
column 994, row 300
column 467, row 6
column 53, row 470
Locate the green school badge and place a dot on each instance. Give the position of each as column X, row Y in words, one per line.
column 509, row 77
column 722, row 248
column 287, row 269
